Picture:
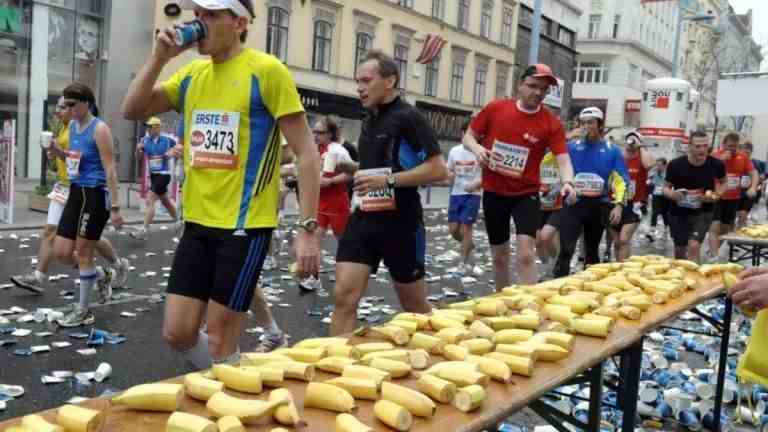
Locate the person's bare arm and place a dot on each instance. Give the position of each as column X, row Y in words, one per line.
column 754, row 183
column 145, row 97
column 472, row 144
column 565, row 167
column 287, row 156
column 721, row 186
column 103, row 137
column 647, row 158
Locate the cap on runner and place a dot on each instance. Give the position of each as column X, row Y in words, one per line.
column 539, row 70
column 235, row 6
column 633, row 137
column 154, row 121
column 591, row 113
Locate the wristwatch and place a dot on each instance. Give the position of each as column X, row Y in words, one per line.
column 391, row 181
column 309, row 225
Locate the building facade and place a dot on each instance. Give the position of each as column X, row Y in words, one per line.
column 557, row 48
column 621, row 45
column 47, row 44
column 322, row 41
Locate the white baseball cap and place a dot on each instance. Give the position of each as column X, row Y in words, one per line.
column 232, row 5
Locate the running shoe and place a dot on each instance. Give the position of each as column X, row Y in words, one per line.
column 120, row 270
column 311, row 284
column 104, row 285
column 138, row 234
column 269, row 263
column 270, row 342
column 478, row 271
column 77, row 317
column 29, row 282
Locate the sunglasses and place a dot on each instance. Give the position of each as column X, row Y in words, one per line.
column 319, row 132
column 70, row 104
column 62, row 107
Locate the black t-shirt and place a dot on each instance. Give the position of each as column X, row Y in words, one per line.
column 681, row 174
column 400, row 138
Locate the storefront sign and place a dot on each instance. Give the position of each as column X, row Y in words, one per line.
column 329, row 103
column 7, row 146
column 446, row 122
column 632, row 105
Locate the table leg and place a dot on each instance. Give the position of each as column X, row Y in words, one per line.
column 595, row 397
column 629, row 376
column 723, row 360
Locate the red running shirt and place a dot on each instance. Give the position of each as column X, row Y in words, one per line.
column 638, row 177
column 334, row 199
column 519, row 141
column 737, row 166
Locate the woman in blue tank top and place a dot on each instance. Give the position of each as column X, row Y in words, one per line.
column 93, row 199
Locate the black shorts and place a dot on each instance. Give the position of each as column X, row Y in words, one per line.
column 159, row 183
column 85, row 214
column 549, row 217
column 725, row 211
column 693, row 226
column 628, row 217
column 399, row 242
column 216, row 264
column 498, row 209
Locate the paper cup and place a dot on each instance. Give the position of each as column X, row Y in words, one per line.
column 705, row 390
column 329, row 164
column 703, row 407
column 102, row 372
column 45, row 139
column 646, row 410
column 659, row 361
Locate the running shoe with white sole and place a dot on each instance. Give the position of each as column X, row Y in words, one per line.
column 121, row 267
column 29, row 282
column 77, row 317
column 270, row 342
column 104, row 285
column 311, row 284
column 269, row 263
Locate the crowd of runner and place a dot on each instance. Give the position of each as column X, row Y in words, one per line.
column 245, row 143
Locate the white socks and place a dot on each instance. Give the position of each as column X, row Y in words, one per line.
column 198, row 355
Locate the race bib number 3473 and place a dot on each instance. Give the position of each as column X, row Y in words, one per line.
column 214, row 139
column 508, row 159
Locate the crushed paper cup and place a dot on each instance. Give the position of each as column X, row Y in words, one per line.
column 102, row 372
column 705, row 390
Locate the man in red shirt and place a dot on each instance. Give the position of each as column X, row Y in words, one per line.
column 638, row 161
column 737, row 164
column 516, row 134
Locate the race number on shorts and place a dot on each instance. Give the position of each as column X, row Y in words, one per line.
column 589, row 184
column 380, row 199
column 214, row 139
column 508, row 159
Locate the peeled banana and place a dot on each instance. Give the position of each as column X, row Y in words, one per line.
column 152, row 397
column 247, row 411
column 359, row 388
column 328, row 397
column 235, row 378
column 469, row 398
column 393, row 415
column 201, row 388
column 36, row 423
column 185, row 422
column 437, row 388
column 74, row 418
column 287, row 414
column 349, row 423
column 230, row 424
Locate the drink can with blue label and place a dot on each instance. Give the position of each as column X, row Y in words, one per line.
column 190, row 32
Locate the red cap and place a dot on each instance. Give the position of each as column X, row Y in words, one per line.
column 540, row 70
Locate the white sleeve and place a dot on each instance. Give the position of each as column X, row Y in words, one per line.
column 451, row 161
column 341, row 153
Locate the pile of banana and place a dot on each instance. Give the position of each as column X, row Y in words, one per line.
column 478, row 341
column 755, row 231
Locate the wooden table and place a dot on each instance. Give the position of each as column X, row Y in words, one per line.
column 503, row 400
column 743, row 248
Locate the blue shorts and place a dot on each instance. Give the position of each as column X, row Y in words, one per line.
column 463, row 209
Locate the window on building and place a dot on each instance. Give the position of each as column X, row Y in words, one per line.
column 507, row 22
column 462, row 20
column 401, row 58
column 594, row 26
column 565, row 36
column 526, row 16
column 277, row 33
column 616, row 22
column 405, row 3
column 321, row 60
column 431, row 77
column 502, row 76
column 591, row 73
column 481, row 76
column 547, row 26
column 438, row 9
column 457, row 81
column 363, row 44
column 486, row 19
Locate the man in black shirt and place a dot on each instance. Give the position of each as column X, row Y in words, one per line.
column 398, row 152
column 693, row 183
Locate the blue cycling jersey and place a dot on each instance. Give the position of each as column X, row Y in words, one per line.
column 594, row 162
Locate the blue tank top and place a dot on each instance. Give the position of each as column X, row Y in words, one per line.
column 83, row 161
column 155, row 149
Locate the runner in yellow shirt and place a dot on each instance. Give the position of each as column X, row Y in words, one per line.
column 235, row 103
column 35, row 280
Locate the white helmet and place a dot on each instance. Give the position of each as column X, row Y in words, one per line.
column 591, row 113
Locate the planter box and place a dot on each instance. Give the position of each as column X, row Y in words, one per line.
column 38, row 202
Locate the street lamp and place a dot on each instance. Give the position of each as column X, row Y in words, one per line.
column 679, row 30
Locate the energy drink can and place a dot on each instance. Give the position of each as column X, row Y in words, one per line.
column 190, row 32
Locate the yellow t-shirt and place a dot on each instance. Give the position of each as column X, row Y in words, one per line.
column 61, row 166
column 232, row 162
column 753, row 367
